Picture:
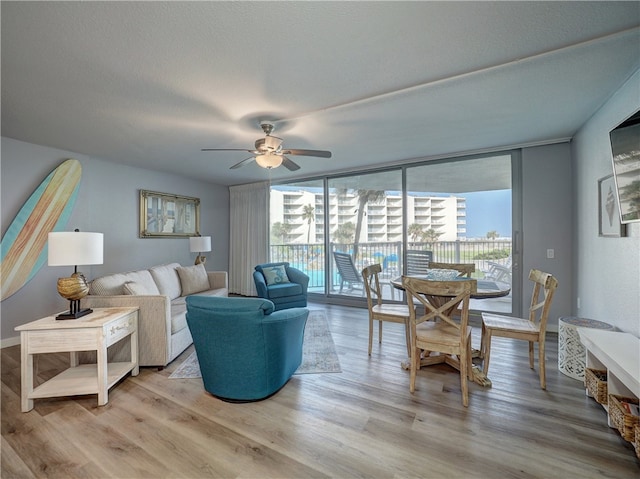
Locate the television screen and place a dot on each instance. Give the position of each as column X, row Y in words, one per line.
column 625, row 149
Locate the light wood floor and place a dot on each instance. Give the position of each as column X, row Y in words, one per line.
column 362, row 422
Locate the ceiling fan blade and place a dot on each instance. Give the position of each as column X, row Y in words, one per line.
column 289, row 165
column 246, row 161
column 229, row 149
column 319, row 153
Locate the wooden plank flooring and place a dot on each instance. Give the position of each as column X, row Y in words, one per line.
column 362, row 422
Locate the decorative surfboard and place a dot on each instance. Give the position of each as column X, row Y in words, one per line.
column 23, row 246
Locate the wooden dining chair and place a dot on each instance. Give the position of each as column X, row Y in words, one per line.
column 465, row 269
column 532, row 329
column 436, row 330
column 380, row 311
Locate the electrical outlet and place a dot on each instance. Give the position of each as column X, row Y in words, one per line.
column 551, row 254
column 578, row 303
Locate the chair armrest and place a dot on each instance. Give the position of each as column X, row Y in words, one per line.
column 261, row 284
column 154, row 323
column 297, row 276
column 218, row 279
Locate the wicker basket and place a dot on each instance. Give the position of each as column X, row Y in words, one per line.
column 621, row 419
column 636, row 443
column 596, row 383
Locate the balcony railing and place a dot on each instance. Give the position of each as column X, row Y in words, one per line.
column 310, row 258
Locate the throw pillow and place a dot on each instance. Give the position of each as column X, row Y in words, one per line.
column 193, row 279
column 135, row 289
column 275, row 275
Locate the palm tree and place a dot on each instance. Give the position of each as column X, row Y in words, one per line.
column 364, row 197
column 415, row 231
column 309, row 214
column 344, row 233
column 492, row 235
column 280, row 231
column 431, row 236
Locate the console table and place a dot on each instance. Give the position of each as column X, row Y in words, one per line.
column 93, row 332
column 619, row 354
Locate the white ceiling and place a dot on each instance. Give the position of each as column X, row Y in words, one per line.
column 151, row 83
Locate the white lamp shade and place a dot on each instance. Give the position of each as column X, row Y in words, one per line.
column 200, row 244
column 269, row 161
column 72, row 248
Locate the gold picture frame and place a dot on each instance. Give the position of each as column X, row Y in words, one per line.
column 164, row 215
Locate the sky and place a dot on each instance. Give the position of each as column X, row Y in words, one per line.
column 488, row 211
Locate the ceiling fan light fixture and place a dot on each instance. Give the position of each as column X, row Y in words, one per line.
column 269, row 161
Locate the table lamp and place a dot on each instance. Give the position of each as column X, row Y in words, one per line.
column 200, row 244
column 73, row 248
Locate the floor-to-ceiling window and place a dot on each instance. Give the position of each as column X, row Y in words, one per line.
column 365, row 221
column 461, row 210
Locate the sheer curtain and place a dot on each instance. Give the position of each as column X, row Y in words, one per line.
column 249, row 235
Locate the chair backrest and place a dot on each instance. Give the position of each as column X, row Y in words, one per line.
column 346, row 267
column 465, row 268
column 372, row 284
column 440, row 300
column 418, row 261
column 543, row 284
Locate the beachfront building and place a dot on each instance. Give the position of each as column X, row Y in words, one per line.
column 297, row 215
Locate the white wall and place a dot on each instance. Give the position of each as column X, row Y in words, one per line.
column 607, row 270
column 108, row 202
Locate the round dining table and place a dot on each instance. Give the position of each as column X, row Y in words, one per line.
column 484, row 290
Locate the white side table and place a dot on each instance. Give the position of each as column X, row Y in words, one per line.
column 571, row 352
column 94, row 332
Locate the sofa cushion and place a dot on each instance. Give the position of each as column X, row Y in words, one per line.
column 193, row 279
column 167, row 279
column 136, row 289
column 178, row 316
column 275, row 275
column 144, row 280
column 108, row 285
column 284, row 289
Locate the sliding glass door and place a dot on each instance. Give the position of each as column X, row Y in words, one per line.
column 450, row 211
column 365, row 226
column 461, row 212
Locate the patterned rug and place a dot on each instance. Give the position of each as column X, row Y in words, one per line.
column 318, row 351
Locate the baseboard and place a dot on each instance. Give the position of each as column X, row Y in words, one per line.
column 6, row 343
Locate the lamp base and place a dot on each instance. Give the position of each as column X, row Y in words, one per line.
column 76, row 315
column 74, row 311
column 200, row 259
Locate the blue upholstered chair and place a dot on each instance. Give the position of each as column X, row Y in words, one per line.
column 246, row 350
column 285, row 285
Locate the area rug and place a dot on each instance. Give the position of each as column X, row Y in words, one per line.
column 318, row 351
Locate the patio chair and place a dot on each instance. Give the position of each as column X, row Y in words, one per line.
column 348, row 272
column 418, row 262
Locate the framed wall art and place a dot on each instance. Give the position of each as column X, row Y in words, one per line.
column 608, row 214
column 163, row 215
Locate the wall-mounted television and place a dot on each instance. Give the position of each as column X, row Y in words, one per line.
column 625, row 149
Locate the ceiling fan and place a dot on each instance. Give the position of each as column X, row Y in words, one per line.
column 268, row 152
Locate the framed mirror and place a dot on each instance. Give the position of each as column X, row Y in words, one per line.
column 164, row 215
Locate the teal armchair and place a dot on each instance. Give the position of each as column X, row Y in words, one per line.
column 247, row 351
column 286, row 289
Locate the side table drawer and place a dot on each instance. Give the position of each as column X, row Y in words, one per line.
column 121, row 328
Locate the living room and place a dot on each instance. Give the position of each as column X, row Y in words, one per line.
column 599, row 276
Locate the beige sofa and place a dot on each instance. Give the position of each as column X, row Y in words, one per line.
column 160, row 294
